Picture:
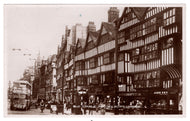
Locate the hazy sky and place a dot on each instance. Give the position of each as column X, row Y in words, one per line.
column 39, row 28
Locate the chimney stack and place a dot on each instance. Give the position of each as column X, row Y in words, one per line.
column 113, row 14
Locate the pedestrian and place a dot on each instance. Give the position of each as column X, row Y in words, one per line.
column 91, row 107
column 42, row 105
column 53, row 107
column 84, row 107
column 102, row 108
column 97, row 105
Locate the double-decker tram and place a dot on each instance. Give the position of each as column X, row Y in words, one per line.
column 21, row 96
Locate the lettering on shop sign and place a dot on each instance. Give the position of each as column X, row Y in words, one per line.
column 161, row 92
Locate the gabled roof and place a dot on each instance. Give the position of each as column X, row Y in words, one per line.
column 140, row 12
column 80, row 42
column 109, row 27
column 93, row 36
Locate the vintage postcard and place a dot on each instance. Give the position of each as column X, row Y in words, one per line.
column 94, row 59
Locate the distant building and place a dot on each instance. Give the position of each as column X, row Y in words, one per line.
column 42, row 81
column 78, row 31
column 51, row 78
column 27, row 74
column 35, row 85
column 91, row 27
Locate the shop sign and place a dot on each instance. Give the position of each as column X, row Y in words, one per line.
column 82, row 92
column 161, row 92
column 130, row 94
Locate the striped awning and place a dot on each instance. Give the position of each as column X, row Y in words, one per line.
column 172, row 71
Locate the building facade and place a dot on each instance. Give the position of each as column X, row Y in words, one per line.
column 51, row 78
column 59, row 69
column 138, row 58
column 42, row 81
column 150, row 56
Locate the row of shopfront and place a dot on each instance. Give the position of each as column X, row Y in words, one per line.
column 134, row 63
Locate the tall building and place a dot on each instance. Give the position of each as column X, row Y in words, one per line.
column 113, row 14
column 91, row 27
column 78, row 31
column 42, row 81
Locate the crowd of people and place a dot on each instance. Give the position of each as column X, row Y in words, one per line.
column 84, row 108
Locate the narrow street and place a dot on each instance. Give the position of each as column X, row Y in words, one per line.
column 30, row 112
column 47, row 112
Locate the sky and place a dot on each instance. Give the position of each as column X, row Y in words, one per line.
column 39, row 28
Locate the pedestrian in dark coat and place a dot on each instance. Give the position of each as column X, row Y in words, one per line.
column 42, row 105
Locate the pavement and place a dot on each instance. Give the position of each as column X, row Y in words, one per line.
column 37, row 111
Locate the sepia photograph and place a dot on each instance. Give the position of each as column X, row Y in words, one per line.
column 112, row 59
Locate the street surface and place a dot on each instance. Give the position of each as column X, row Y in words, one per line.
column 47, row 112
column 30, row 112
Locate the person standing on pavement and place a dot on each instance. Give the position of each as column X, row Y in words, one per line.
column 42, row 105
column 91, row 107
column 102, row 107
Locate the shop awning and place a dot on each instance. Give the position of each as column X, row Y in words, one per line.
column 172, row 71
